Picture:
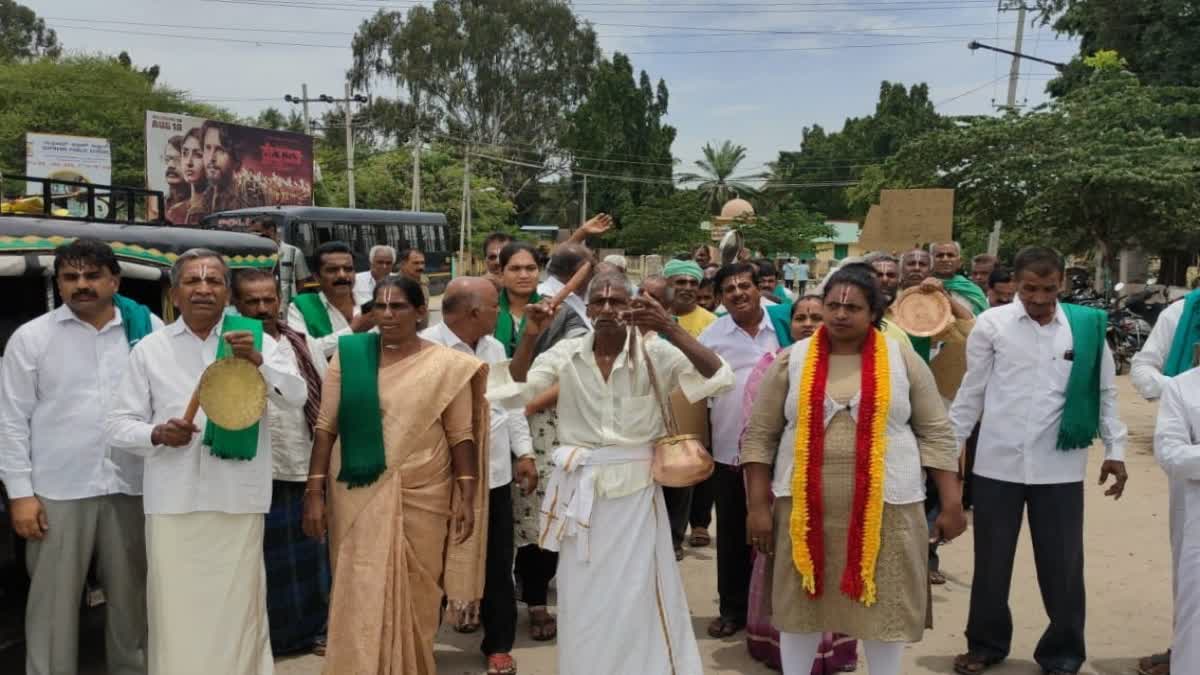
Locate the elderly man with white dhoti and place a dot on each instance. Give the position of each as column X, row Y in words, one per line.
column 206, row 488
column 622, row 607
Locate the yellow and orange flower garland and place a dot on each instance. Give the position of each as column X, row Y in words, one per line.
column 870, row 445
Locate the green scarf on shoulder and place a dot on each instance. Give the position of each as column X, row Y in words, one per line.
column 507, row 331
column 224, row 443
column 360, row 420
column 1187, row 334
column 1081, row 414
column 316, row 318
column 966, row 289
column 135, row 318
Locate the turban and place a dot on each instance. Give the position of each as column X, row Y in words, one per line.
column 687, row 268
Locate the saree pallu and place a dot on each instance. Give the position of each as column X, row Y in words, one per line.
column 391, row 540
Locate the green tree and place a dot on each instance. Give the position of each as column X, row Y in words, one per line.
column 1156, row 37
column 1103, row 167
column 272, row 118
column 24, row 36
column 619, row 130
column 665, row 225
column 499, row 73
column 901, row 114
column 383, row 180
column 85, row 96
column 717, row 182
column 790, row 230
column 126, row 62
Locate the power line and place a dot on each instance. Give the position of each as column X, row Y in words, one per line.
column 829, row 7
column 181, row 36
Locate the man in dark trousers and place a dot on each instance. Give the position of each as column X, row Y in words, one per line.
column 1041, row 375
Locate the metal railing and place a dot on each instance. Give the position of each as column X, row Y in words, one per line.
column 100, row 203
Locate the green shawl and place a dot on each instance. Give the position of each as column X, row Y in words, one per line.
column 507, row 332
column 922, row 345
column 135, row 318
column 316, row 318
column 1187, row 334
column 360, row 420
column 966, row 289
column 225, row 443
column 1081, row 414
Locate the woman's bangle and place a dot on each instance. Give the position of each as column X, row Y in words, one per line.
column 466, row 478
column 318, row 490
column 317, row 476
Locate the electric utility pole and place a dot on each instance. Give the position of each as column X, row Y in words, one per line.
column 304, row 100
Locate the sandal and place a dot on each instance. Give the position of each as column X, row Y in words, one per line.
column 542, row 625
column 936, row 578
column 973, row 664
column 467, row 628
column 501, row 664
column 699, row 538
column 1156, row 664
column 722, row 627
column 320, row 645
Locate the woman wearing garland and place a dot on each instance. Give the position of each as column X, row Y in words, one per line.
column 847, row 419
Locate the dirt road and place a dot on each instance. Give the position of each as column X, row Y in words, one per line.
column 1128, row 581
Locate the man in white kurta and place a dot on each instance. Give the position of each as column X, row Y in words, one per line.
column 332, row 312
column 206, row 590
column 1150, row 379
column 1177, row 448
column 622, row 607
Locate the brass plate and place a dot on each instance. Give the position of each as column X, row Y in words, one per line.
column 922, row 314
column 233, row 394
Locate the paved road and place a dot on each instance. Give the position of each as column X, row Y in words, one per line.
column 1127, row 576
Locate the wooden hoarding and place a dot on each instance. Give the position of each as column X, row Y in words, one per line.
column 904, row 219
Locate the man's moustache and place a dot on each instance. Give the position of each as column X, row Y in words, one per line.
column 342, row 282
column 84, row 295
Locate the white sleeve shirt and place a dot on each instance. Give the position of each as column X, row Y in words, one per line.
column 742, row 353
column 337, row 320
column 1147, row 371
column 164, row 369
column 509, row 434
column 56, row 385
column 1177, row 434
column 291, row 441
column 1016, row 379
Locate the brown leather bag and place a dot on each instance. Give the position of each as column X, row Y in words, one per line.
column 680, row 460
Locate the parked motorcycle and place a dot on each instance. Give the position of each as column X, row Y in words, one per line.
column 1130, row 320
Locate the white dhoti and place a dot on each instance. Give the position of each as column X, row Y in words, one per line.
column 621, row 602
column 207, row 595
column 1185, row 652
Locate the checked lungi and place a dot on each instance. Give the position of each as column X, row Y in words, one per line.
column 298, row 576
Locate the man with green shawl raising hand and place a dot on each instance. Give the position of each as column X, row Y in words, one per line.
column 206, row 488
column 1041, row 375
column 947, row 266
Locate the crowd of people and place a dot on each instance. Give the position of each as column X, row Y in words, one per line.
column 406, row 474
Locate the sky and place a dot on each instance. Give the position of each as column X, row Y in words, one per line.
column 752, row 71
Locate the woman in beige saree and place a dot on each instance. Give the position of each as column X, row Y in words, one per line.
column 407, row 505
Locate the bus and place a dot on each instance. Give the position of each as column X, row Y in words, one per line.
column 307, row 227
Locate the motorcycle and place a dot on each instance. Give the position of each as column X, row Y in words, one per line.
column 1130, row 320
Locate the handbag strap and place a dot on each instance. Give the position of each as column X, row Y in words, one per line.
column 668, row 414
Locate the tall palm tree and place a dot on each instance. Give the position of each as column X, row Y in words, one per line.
column 717, row 184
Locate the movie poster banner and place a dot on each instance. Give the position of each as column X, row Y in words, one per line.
column 204, row 166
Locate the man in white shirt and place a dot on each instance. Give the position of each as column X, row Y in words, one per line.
column 71, row 496
column 206, row 589
column 1042, row 377
column 332, row 313
column 741, row 337
column 1177, row 447
column 383, row 260
column 297, row 566
column 1153, row 368
column 291, row 267
column 801, row 272
column 469, row 308
column 621, row 599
